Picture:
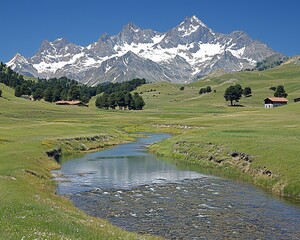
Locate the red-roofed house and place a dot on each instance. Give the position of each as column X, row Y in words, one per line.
column 275, row 102
column 74, row 103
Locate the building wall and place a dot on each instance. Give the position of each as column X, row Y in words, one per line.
column 272, row 105
column 269, row 105
column 278, row 104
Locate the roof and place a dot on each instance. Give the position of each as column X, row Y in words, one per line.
column 277, row 99
column 68, row 102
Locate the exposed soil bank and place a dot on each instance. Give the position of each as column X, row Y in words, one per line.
column 69, row 146
column 218, row 160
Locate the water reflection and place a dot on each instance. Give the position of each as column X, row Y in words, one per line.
column 123, row 167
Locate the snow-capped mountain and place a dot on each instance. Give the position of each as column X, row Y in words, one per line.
column 21, row 65
column 182, row 54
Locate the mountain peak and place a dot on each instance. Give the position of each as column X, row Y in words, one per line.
column 191, row 30
column 131, row 27
column 103, row 38
column 45, row 45
column 57, row 43
column 61, row 41
column 18, row 55
column 17, row 58
column 194, row 21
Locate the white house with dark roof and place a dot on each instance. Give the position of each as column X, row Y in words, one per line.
column 275, row 102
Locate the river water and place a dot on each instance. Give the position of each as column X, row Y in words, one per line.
column 135, row 190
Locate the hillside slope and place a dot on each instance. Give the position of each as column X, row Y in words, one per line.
column 207, row 130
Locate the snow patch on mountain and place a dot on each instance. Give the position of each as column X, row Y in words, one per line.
column 238, row 53
column 188, row 31
column 52, row 66
column 207, row 51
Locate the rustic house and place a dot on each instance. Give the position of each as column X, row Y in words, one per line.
column 73, row 103
column 27, row 97
column 275, row 102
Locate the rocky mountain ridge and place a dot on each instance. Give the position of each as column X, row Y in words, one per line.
column 183, row 54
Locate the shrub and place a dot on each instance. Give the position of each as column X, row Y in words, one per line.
column 208, row 89
column 280, row 92
column 247, row 92
column 202, row 90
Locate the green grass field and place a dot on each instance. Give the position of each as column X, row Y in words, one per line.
column 204, row 126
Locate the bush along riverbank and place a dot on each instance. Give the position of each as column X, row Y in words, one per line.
column 220, row 160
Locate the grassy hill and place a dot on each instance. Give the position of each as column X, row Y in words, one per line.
column 269, row 136
column 251, row 143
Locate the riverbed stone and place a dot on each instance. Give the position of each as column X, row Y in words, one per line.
column 189, row 209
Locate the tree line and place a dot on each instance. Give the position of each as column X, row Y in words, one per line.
column 56, row 89
column 120, row 87
column 11, row 78
column 123, row 100
column 51, row 90
column 118, row 95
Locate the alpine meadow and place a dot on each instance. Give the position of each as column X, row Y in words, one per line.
column 208, row 90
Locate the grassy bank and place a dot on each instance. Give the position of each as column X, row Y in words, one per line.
column 29, row 207
column 207, row 130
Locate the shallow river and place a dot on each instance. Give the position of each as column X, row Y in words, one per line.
column 138, row 192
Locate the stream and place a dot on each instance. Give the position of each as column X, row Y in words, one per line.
column 139, row 192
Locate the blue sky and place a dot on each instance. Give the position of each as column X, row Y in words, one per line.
column 26, row 23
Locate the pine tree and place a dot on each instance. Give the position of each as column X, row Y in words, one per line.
column 18, row 92
column 128, row 101
column 74, row 93
column 111, row 100
column 138, row 102
column 120, row 99
column 102, row 101
column 56, row 95
column 48, row 95
column 38, row 94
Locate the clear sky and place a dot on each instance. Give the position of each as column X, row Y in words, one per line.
column 26, row 23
